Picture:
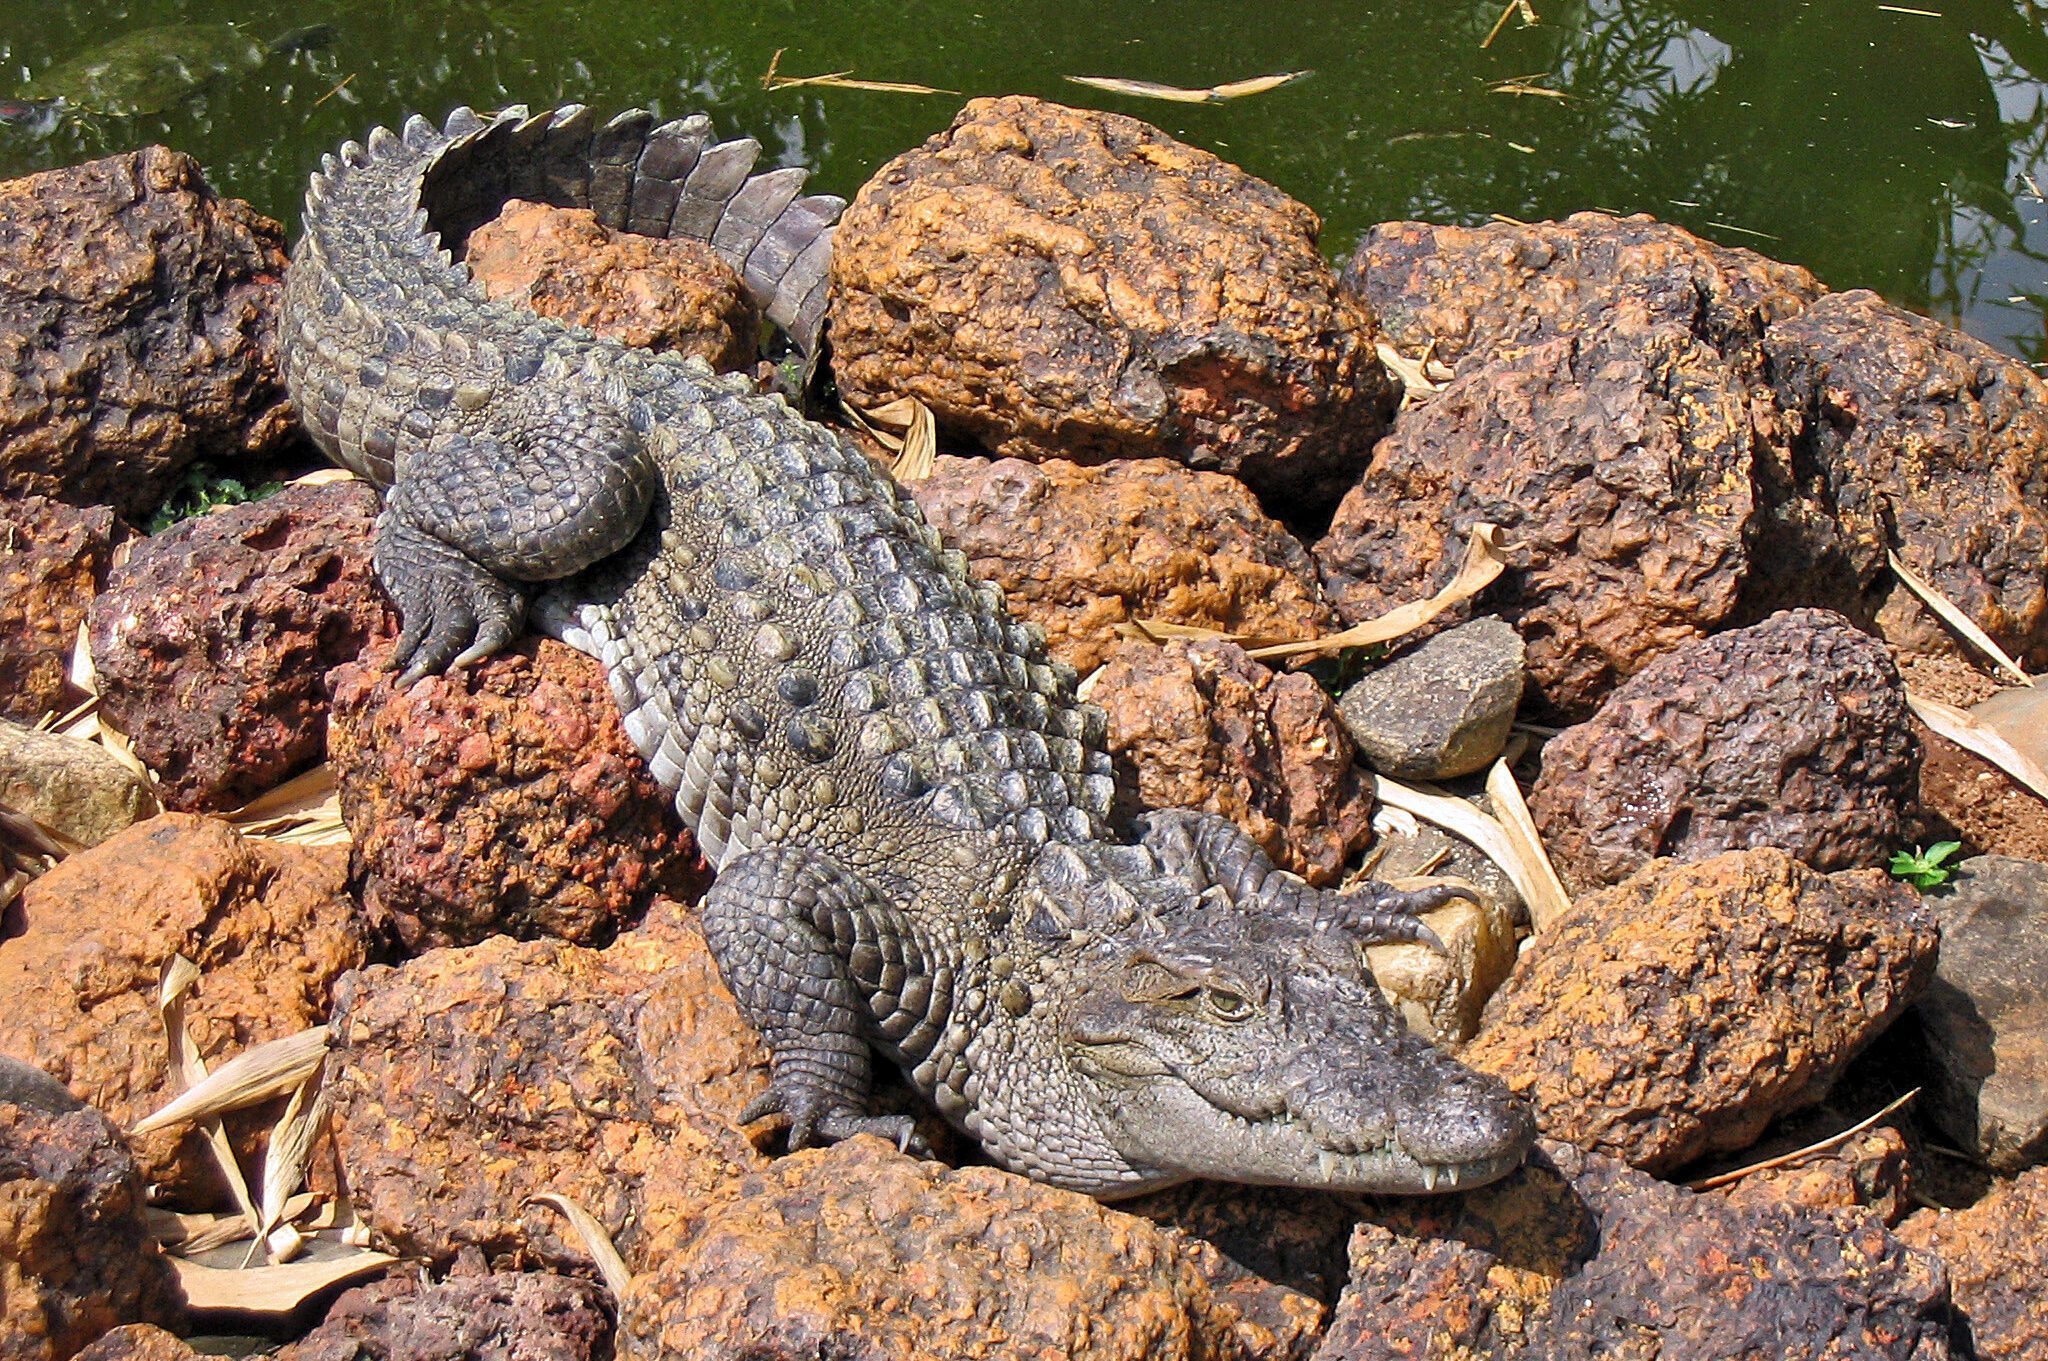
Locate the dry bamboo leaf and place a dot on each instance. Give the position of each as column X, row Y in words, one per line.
column 320, row 477
column 192, row 1234
column 252, row 1076
column 1214, row 94
column 187, row 1071
column 1952, row 615
column 838, row 80
column 1484, row 561
column 920, row 446
column 28, row 835
column 273, row 1289
column 1981, row 740
column 304, row 792
column 1462, row 819
column 284, row 1163
column 596, row 1242
column 80, row 671
column 1524, row 87
column 1511, row 811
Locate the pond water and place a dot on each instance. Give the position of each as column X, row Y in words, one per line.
column 1901, row 147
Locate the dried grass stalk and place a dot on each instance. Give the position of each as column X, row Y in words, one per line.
column 596, row 1242
column 187, row 1072
column 1175, row 94
column 1952, row 614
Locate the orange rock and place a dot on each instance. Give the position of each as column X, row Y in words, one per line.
column 642, row 290
column 1682, row 1010
column 269, row 925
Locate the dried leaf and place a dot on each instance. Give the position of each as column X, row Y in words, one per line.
column 1463, row 820
column 596, row 1242
column 1981, row 740
column 1484, row 561
column 1524, row 87
column 1952, row 615
column 284, row 1163
column 275, row 1290
column 252, row 1076
column 1550, row 901
column 838, row 80
column 1214, row 94
column 187, row 1071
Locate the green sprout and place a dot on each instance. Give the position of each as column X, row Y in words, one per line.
column 203, row 488
column 1925, row 869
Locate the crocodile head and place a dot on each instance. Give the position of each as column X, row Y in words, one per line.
column 1227, row 1044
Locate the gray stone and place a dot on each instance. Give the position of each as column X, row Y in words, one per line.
column 75, row 788
column 1986, row 1017
column 1442, row 710
column 1441, row 993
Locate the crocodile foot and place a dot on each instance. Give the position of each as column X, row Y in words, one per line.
column 455, row 612
column 815, row 1119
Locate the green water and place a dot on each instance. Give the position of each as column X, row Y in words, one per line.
column 1893, row 150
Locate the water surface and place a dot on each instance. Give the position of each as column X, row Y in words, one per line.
column 1897, row 147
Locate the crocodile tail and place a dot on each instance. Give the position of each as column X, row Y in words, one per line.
column 673, row 179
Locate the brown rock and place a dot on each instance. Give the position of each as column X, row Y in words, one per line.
column 1475, row 293
column 1791, row 733
column 268, row 924
column 137, row 317
column 213, row 641
column 139, row 1342
column 53, row 558
column 1578, row 1257
column 641, row 290
column 501, row 797
column 1056, row 282
column 1996, row 1253
column 1080, row 550
column 1201, row 725
column 468, row 1080
column 1681, row 1011
column 1618, row 469
column 510, row 1316
column 1871, row 1171
column 75, row 1255
column 1924, row 440
column 859, row 1252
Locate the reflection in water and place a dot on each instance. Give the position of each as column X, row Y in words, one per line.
column 1881, row 148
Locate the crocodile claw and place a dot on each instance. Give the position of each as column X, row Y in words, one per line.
column 453, row 611
column 813, row 1119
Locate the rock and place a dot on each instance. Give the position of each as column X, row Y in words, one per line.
column 1611, row 412
column 468, row 1080
column 1441, row 993
column 139, row 1342
column 1201, row 725
column 137, row 316
column 1996, row 1253
column 53, row 558
column 213, row 641
column 1081, row 550
column 858, row 1252
column 1927, row 441
column 1872, row 1171
column 1985, row 1017
column 502, row 797
column 1791, row 733
column 269, row 925
column 1061, row 283
column 641, row 290
column 1288, row 1236
column 71, row 786
column 1604, row 1024
column 1443, row 710
column 76, row 1257
column 1578, row 1257
column 510, row 1316
column 1474, row 293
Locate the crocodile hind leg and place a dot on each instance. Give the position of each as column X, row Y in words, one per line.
column 520, row 493
column 782, row 924
column 1207, row 850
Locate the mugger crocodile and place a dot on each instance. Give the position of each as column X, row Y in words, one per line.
column 908, row 810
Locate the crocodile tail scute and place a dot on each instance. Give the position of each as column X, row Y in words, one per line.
column 670, row 180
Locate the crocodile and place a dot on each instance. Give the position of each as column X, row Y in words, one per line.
column 911, row 817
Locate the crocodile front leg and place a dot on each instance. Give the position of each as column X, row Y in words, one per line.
column 1205, row 850
column 528, row 488
column 790, row 931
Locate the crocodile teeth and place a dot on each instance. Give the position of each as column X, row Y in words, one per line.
column 1429, row 1171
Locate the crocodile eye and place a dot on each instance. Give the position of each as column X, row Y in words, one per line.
column 1227, row 1006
